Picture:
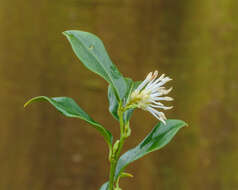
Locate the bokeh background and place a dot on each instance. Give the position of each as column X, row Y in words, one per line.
column 194, row 42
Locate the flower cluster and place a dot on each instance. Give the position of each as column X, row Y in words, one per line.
column 148, row 95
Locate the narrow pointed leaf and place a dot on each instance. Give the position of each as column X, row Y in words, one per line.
column 68, row 107
column 160, row 136
column 90, row 50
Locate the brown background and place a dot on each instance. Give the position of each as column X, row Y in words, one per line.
column 194, row 42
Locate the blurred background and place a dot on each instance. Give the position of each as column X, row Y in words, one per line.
column 193, row 42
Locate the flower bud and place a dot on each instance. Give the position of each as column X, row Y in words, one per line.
column 115, row 146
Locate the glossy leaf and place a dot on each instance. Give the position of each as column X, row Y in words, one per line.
column 68, row 107
column 114, row 104
column 131, row 87
column 104, row 186
column 90, row 50
column 160, row 136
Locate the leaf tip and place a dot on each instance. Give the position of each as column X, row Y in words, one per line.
column 33, row 99
column 66, row 33
column 185, row 124
column 181, row 122
column 27, row 103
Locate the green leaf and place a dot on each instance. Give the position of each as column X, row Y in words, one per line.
column 90, row 50
column 104, row 186
column 114, row 104
column 130, row 86
column 68, row 107
column 160, row 136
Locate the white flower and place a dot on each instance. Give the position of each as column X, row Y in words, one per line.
column 149, row 93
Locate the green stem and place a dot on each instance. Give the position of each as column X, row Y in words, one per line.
column 115, row 155
column 112, row 173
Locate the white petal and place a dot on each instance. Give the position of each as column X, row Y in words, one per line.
column 153, row 112
column 163, row 91
column 163, row 118
column 165, row 80
column 155, row 74
column 147, row 79
column 160, row 91
column 159, row 115
column 157, row 86
column 161, row 77
column 166, row 98
column 162, row 107
column 153, row 87
column 155, row 94
column 157, row 103
column 159, row 82
column 149, row 94
column 152, row 84
column 156, row 81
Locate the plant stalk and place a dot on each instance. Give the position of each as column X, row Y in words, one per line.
column 115, row 155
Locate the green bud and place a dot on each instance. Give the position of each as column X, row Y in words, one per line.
column 115, row 146
column 125, row 174
column 127, row 130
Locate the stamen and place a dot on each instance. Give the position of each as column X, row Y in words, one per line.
column 150, row 92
